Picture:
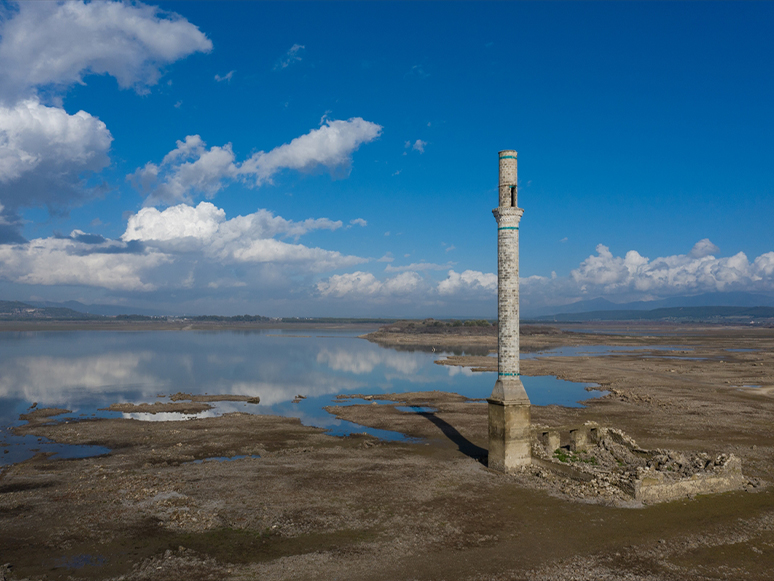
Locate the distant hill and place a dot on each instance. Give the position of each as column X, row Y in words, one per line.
column 723, row 314
column 105, row 310
column 730, row 299
column 17, row 311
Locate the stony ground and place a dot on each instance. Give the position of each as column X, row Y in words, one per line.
column 303, row 505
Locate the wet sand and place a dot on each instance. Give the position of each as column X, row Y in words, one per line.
column 304, row 505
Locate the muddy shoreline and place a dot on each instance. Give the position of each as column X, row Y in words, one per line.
column 176, row 325
column 296, row 503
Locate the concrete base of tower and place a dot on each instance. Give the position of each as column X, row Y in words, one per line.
column 509, row 388
column 510, row 448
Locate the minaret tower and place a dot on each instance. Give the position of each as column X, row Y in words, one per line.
column 509, row 414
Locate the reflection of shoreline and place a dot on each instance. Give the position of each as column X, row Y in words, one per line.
column 176, row 325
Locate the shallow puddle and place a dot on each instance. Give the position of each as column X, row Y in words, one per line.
column 222, row 458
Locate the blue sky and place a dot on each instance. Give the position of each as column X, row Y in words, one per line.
column 341, row 158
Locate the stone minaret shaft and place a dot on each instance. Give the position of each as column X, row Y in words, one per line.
column 509, row 413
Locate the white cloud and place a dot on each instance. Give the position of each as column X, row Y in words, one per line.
column 418, row 266
column 364, row 284
column 330, row 146
column 468, row 282
column 57, row 43
column 249, row 239
column 227, row 77
column 358, row 222
column 636, row 277
column 191, row 169
column 188, row 170
column 703, row 248
column 183, row 247
column 411, row 288
column 204, row 221
column 68, row 261
column 45, row 153
column 292, row 56
column 388, row 257
column 450, row 248
column 418, row 145
column 358, row 283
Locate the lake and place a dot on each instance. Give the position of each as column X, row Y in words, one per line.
column 84, row 371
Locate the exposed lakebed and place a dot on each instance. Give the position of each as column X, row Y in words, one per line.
column 87, row 372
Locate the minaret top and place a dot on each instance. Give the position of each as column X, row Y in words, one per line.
column 508, row 169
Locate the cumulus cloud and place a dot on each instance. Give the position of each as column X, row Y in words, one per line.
column 45, row 154
column 191, row 169
column 292, row 56
column 467, row 282
column 365, row 285
column 58, row 43
column 410, row 287
column 358, row 222
column 204, row 228
column 187, row 171
column 74, row 261
column 330, row 146
column 636, row 277
column 182, row 247
column 703, row 248
column 619, row 278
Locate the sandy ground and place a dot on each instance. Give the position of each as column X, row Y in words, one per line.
column 304, row 505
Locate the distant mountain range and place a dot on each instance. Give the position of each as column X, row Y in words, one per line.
column 717, row 307
column 731, row 299
column 683, row 314
column 104, row 310
column 17, row 311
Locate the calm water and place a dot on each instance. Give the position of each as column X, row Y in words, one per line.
column 86, row 370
